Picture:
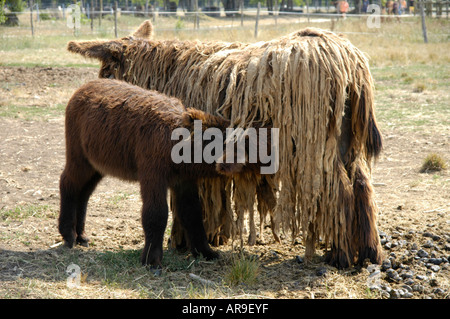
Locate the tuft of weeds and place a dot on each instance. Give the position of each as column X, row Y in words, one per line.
column 433, row 163
column 419, row 88
column 244, row 270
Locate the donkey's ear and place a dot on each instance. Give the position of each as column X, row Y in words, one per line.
column 101, row 50
column 145, row 31
column 89, row 49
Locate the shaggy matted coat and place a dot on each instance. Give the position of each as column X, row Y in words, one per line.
column 313, row 85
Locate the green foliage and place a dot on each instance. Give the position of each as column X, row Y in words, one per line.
column 301, row 3
column 15, row 5
column 142, row 2
column 45, row 16
column 2, row 11
column 179, row 25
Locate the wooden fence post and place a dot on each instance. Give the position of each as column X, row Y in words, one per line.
column 100, row 14
column 424, row 27
column 115, row 19
column 196, row 17
column 307, row 9
column 446, row 6
column 31, row 16
column 92, row 15
column 242, row 12
column 275, row 12
column 257, row 19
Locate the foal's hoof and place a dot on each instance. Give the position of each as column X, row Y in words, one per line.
column 83, row 241
column 68, row 244
column 155, row 270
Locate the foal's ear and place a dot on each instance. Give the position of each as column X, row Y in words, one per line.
column 191, row 115
column 208, row 120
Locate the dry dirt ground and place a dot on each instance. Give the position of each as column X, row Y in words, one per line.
column 414, row 209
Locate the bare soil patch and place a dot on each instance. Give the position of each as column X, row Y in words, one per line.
column 414, row 221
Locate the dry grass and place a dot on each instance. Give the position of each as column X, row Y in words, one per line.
column 32, row 156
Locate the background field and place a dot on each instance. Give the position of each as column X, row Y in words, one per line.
column 38, row 76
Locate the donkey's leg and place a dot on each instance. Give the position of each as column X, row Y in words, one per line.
column 310, row 243
column 368, row 241
column 178, row 235
column 85, row 193
column 189, row 212
column 72, row 186
column 342, row 252
column 266, row 197
column 154, row 220
column 67, row 213
column 337, row 257
column 363, row 240
column 252, row 236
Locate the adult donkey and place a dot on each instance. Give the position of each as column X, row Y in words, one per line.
column 316, row 87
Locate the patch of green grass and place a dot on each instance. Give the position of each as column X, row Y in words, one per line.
column 244, row 270
column 44, row 64
column 405, row 76
column 30, row 113
column 120, row 197
column 118, row 265
column 24, row 211
column 175, row 261
column 414, row 97
column 116, row 199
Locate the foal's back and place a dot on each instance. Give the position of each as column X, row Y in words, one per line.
column 115, row 126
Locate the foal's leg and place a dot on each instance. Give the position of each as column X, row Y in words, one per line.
column 77, row 182
column 189, row 212
column 85, row 193
column 154, row 220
